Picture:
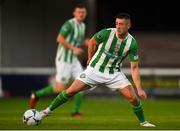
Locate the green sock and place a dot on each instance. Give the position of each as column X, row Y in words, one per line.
column 59, row 100
column 77, row 102
column 45, row 91
column 138, row 110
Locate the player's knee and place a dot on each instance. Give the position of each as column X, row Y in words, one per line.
column 132, row 98
column 58, row 88
column 71, row 91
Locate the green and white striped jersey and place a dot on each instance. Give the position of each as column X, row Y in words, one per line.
column 112, row 51
column 74, row 33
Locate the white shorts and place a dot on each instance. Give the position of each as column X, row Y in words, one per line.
column 94, row 78
column 66, row 71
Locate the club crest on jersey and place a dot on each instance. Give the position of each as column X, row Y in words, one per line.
column 99, row 35
column 65, row 28
column 63, row 79
column 82, row 75
column 116, row 50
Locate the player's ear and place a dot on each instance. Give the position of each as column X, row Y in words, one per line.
column 129, row 24
column 73, row 13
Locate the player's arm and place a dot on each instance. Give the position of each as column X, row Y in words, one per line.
column 137, row 79
column 92, row 47
column 61, row 39
column 133, row 55
column 85, row 40
column 93, row 43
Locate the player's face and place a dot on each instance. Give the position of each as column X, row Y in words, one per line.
column 80, row 14
column 122, row 26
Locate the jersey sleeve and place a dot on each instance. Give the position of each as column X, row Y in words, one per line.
column 65, row 29
column 100, row 36
column 133, row 53
column 84, row 32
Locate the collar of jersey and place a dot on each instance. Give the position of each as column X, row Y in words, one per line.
column 76, row 21
column 119, row 38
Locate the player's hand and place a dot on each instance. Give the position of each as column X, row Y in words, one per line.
column 142, row 94
column 77, row 51
column 88, row 61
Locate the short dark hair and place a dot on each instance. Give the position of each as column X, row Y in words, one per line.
column 123, row 16
column 80, row 6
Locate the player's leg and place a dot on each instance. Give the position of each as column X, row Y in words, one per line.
column 48, row 90
column 85, row 79
column 129, row 93
column 76, row 70
column 77, row 104
column 36, row 95
column 76, row 87
column 121, row 84
column 63, row 74
column 59, row 86
column 64, row 96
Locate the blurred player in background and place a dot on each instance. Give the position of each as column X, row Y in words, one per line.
column 68, row 67
column 114, row 44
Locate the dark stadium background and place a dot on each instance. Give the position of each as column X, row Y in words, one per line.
column 28, row 30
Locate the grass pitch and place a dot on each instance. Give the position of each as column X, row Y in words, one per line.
column 105, row 114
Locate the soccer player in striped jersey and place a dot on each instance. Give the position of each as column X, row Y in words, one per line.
column 68, row 66
column 104, row 68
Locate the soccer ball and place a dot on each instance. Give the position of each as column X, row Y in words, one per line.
column 32, row 117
